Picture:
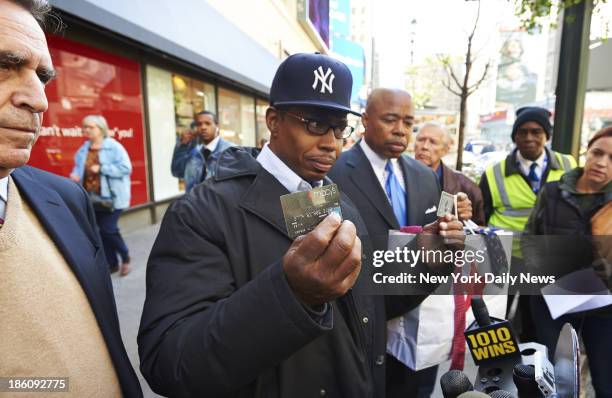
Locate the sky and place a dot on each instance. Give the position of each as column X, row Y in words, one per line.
column 442, row 27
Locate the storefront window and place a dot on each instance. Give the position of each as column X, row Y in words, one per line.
column 237, row 117
column 262, row 128
column 190, row 97
column 91, row 82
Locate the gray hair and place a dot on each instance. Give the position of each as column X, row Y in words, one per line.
column 445, row 134
column 99, row 121
column 42, row 12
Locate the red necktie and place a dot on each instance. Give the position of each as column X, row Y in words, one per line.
column 461, row 306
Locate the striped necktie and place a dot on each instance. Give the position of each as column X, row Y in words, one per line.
column 396, row 195
column 533, row 177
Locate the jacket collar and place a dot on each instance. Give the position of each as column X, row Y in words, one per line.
column 362, row 173
column 512, row 162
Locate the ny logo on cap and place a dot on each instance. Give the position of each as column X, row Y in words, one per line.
column 326, row 80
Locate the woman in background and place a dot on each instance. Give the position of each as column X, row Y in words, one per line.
column 103, row 167
column 579, row 206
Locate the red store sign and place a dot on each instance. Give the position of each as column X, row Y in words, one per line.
column 91, row 82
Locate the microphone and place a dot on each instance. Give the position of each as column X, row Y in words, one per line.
column 504, row 394
column 474, row 394
column 490, row 339
column 455, row 383
column 494, row 348
column 481, row 312
column 524, row 380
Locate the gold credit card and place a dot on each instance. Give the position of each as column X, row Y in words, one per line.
column 303, row 211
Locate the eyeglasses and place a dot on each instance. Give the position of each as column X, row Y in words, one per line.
column 318, row 127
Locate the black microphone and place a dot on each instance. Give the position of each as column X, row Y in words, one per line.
column 525, row 382
column 489, row 339
column 455, row 383
column 505, row 394
column 473, row 394
column 494, row 348
column 480, row 311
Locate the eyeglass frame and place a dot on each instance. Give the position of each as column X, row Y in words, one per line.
column 307, row 124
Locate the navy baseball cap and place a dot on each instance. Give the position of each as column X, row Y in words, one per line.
column 313, row 80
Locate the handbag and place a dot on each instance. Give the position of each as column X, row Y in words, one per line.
column 103, row 204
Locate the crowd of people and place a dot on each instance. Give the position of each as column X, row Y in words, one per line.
column 235, row 307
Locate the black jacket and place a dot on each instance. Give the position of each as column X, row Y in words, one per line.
column 557, row 238
column 63, row 208
column 220, row 319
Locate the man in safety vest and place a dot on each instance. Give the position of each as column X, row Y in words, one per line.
column 510, row 188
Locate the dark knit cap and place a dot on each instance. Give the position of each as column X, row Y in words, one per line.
column 532, row 114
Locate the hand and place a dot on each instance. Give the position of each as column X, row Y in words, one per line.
column 186, row 137
column 324, row 263
column 444, row 234
column 75, row 178
column 464, row 207
column 95, row 169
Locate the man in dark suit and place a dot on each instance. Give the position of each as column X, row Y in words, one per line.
column 390, row 190
column 56, row 301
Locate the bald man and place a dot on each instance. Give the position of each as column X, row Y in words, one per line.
column 432, row 144
column 390, row 190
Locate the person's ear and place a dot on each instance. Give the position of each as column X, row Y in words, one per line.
column 272, row 121
column 364, row 120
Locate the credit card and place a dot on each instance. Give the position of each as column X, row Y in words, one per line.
column 447, row 202
column 303, row 211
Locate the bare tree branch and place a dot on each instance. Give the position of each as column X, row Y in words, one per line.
column 475, row 86
column 453, row 76
column 449, row 88
column 475, row 23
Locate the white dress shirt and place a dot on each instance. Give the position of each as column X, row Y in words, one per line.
column 3, row 196
column 378, row 165
column 287, row 177
column 525, row 164
column 211, row 146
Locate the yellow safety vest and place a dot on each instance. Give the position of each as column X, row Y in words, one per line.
column 512, row 197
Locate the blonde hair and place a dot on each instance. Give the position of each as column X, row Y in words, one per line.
column 99, row 121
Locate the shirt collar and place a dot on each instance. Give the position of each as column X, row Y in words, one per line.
column 211, row 146
column 287, row 177
column 377, row 161
column 4, row 189
column 526, row 162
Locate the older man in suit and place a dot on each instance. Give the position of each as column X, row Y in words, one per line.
column 390, row 191
column 56, row 300
column 432, row 144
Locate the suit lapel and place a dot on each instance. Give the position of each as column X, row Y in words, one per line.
column 59, row 222
column 365, row 180
column 263, row 200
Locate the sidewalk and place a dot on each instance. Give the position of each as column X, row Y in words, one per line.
column 130, row 294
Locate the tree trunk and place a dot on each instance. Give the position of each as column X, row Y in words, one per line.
column 461, row 132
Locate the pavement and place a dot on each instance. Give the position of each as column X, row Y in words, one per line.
column 130, row 295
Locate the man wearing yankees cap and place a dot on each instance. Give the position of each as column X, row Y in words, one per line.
column 234, row 307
